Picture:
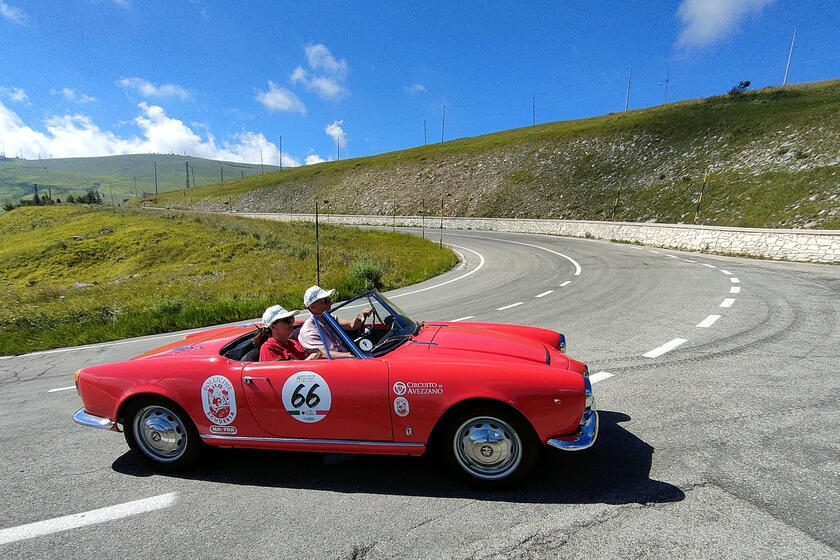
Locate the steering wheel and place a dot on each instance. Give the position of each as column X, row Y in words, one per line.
column 366, row 329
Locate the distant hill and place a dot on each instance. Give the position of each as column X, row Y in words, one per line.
column 118, row 173
column 772, row 158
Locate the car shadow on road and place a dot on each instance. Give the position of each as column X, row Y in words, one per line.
column 615, row 471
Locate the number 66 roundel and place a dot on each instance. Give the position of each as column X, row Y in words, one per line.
column 306, row 396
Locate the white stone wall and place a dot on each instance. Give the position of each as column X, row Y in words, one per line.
column 821, row 246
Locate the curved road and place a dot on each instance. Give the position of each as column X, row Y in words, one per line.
column 716, row 378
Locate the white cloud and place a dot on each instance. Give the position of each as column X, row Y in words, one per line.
column 313, row 158
column 326, row 75
column 706, row 21
column 15, row 94
column 280, row 99
column 335, row 131
column 71, row 95
column 148, row 89
column 11, row 13
column 78, row 136
column 320, row 58
column 416, row 88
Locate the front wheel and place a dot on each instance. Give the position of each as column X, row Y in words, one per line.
column 491, row 447
column 162, row 435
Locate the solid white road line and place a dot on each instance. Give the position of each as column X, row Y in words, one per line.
column 545, row 293
column 727, row 302
column 600, row 376
column 41, row 528
column 568, row 258
column 462, row 318
column 708, row 321
column 509, row 306
column 566, row 283
column 734, row 280
column 473, row 271
column 735, row 290
column 667, row 347
column 61, row 389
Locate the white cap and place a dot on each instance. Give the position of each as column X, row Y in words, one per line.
column 275, row 313
column 315, row 293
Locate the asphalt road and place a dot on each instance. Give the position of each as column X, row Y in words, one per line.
column 720, row 437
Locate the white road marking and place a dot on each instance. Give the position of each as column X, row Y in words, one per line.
column 672, row 256
column 708, row 265
column 667, row 347
column 689, row 260
column 568, row 258
column 61, row 389
column 735, row 290
column 509, row 306
column 726, row 272
column 600, row 376
column 727, row 302
column 41, row 528
column 708, row 321
column 462, row 318
column 566, row 283
column 545, row 293
column 473, row 271
column 652, row 251
column 734, row 280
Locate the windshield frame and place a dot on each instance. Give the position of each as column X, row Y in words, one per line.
column 403, row 324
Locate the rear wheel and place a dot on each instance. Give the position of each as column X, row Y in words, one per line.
column 161, row 434
column 490, row 446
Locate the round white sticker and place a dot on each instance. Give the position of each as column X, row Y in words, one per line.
column 306, row 396
column 366, row 345
column 219, row 400
column 399, row 388
column 401, row 406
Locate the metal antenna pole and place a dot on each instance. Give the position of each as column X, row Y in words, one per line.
column 156, row 190
column 667, row 79
column 424, row 132
column 790, row 54
column 534, row 111
column 443, row 124
column 281, row 153
column 627, row 97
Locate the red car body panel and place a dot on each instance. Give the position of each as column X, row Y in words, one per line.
column 388, row 404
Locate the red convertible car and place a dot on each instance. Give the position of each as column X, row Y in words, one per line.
column 487, row 396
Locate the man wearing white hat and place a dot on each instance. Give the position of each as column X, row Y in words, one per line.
column 280, row 324
column 319, row 301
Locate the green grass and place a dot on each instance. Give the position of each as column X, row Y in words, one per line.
column 158, row 273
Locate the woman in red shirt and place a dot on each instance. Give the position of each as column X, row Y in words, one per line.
column 280, row 323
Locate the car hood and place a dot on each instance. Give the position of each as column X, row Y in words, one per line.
column 451, row 340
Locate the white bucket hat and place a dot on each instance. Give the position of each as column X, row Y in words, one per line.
column 315, row 293
column 275, row 313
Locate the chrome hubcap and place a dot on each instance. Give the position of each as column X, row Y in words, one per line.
column 160, row 433
column 487, row 447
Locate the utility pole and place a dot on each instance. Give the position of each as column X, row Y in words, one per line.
column 534, row 111
column 394, row 210
column 37, row 198
column 281, row 153
column 443, row 124
column 667, row 79
column 187, row 170
column 627, row 97
column 192, row 168
column 262, row 169
column 156, row 188
column 423, row 218
column 424, row 132
column 337, row 149
column 700, row 199
column 441, row 221
column 790, row 54
column 135, row 185
column 222, row 172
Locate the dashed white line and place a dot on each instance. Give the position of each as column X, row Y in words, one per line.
column 600, row 376
column 727, row 302
column 734, row 280
column 708, row 265
column 652, row 251
column 672, row 256
column 462, row 318
column 735, row 290
column 61, row 389
column 509, row 306
column 726, row 272
column 667, row 347
column 566, row 283
column 545, row 293
column 708, row 321
column 41, row 528
column 689, row 260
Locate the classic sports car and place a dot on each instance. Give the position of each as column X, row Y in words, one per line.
column 487, row 396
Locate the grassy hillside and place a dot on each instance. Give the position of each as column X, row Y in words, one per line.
column 772, row 158
column 117, row 173
column 76, row 275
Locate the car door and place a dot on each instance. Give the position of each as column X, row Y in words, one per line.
column 321, row 399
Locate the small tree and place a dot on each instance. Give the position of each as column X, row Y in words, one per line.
column 739, row 89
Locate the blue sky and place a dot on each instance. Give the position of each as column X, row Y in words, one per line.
column 227, row 80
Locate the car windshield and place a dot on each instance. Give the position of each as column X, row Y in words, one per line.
column 386, row 328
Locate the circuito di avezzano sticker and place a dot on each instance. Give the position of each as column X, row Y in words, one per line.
column 219, row 400
column 306, row 396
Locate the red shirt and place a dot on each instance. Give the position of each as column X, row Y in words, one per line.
column 273, row 350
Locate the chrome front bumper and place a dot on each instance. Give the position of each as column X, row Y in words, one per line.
column 84, row 419
column 587, row 432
